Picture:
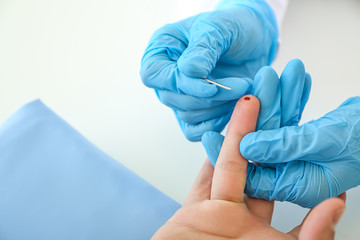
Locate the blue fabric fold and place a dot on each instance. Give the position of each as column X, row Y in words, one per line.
column 55, row 184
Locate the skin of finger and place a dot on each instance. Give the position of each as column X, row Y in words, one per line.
column 230, row 170
column 173, row 230
column 223, row 218
column 319, row 222
column 201, row 188
column 260, row 207
column 215, row 217
column 296, row 230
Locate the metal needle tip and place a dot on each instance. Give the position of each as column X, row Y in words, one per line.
column 217, row 84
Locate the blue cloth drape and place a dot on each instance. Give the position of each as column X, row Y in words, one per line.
column 55, row 184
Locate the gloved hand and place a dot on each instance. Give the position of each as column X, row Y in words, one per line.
column 282, row 103
column 315, row 161
column 228, row 45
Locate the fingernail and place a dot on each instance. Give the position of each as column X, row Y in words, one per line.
column 338, row 216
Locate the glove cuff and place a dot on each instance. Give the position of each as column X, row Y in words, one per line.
column 262, row 10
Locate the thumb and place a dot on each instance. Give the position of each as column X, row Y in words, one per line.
column 321, row 221
column 206, row 44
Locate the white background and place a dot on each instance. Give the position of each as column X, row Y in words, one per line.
column 82, row 58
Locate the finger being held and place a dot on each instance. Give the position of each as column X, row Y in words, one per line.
column 230, row 170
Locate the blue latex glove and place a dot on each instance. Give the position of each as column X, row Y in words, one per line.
column 228, row 45
column 54, row 184
column 315, row 161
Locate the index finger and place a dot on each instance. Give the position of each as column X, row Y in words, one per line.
column 230, row 169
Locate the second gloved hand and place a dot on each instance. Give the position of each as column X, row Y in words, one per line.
column 315, row 161
column 228, row 45
column 300, row 164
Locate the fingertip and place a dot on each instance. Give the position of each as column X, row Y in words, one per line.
column 206, row 139
column 266, row 72
column 265, row 76
column 297, row 62
column 249, row 99
column 244, row 116
column 332, row 203
column 340, row 202
column 295, row 65
column 294, row 70
column 250, row 103
column 335, row 207
column 325, row 217
column 207, row 135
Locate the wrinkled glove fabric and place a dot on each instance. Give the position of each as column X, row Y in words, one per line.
column 228, row 45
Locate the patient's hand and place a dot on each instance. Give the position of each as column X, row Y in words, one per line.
column 216, row 207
